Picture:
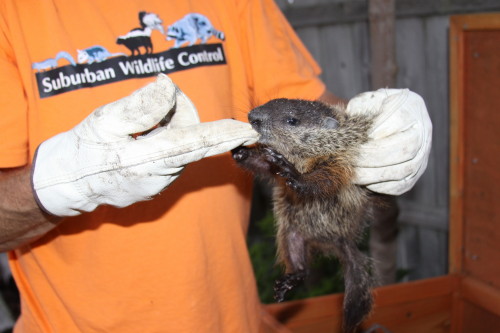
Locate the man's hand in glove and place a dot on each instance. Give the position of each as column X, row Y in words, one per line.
column 400, row 140
column 117, row 157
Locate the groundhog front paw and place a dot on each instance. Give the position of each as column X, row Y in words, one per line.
column 286, row 283
column 282, row 167
column 240, row 153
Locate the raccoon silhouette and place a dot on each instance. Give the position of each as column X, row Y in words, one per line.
column 191, row 28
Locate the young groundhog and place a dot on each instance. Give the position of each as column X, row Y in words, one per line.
column 307, row 149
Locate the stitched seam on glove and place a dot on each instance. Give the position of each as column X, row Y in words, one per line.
column 174, row 154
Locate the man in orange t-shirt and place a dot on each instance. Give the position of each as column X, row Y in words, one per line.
column 177, row 263
column 96, row 245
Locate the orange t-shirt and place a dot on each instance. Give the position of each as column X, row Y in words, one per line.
column 177, row 263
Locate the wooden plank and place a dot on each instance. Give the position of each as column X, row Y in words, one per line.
column 422, row 56
column 485, row 21
column 457, row 313
column 423, row 60
column 456, row 145
column 416, row 290
column 473, row 236
column 432, row 252
column 270, row 324
column 382, row 45
column 422, row 215
column 436, row 72
column 411, row 36
column 307, row 311
column 481, row 160
column 310, row 36
column 425, row 305
column 430, row 315
column 408, row 257
column 444, row 7
column 326, row 14
column 473, row 53
column 430, row 259
column 345, row 54
column 314, row 13
column 481, row 294
column 476, row 319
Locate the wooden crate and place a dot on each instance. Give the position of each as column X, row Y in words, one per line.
column 468, row 298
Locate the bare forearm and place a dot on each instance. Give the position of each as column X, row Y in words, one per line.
column 21, row 220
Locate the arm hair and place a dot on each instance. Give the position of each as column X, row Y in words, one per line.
column 21, row 219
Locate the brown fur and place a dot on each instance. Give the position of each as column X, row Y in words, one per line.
column 307, row 149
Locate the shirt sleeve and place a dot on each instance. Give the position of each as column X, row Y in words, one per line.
column 13, row 107
column 280, row 65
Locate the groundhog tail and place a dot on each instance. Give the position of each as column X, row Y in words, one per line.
column 358, row 298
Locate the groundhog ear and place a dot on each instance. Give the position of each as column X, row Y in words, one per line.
column 330, row 123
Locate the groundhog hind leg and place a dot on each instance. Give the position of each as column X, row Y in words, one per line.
column 292, row 251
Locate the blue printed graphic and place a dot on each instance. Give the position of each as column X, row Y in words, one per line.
column 51, row 63
column 96, row 65
column 95, row 54
column 191, row 28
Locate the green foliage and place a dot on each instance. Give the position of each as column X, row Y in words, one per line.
column 325, row 276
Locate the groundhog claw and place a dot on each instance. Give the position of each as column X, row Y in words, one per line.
column 292, row 184
column 282, row 167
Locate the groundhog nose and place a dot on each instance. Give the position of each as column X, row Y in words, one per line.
column 255, row 119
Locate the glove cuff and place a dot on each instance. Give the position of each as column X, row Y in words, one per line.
column 52, row 193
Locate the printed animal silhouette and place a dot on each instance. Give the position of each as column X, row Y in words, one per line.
column 191, row 28
column 141, row 37
column 95, row 53
column 51, row 63
column 135, row 39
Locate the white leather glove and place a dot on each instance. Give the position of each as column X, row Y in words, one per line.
column 400, row 140
column 99, row 161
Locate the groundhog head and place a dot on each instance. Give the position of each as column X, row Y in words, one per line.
column 302, row 129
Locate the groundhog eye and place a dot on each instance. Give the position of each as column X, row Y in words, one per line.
column 292, row 121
